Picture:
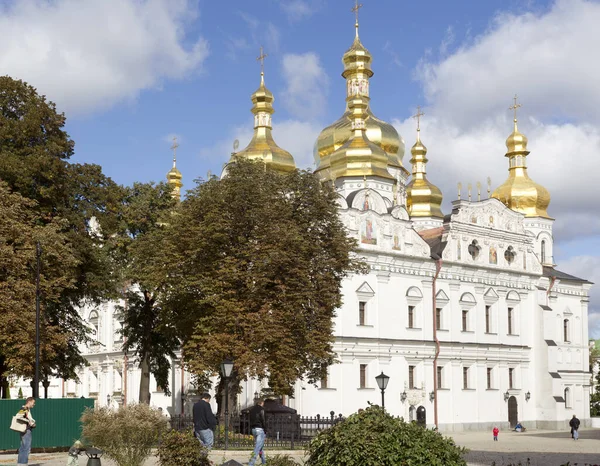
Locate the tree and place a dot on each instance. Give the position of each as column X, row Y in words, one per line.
column 255, row 267
column 21, row 228
column 595, row 382
column 34, row 153
column 372, row 437
column 138, row 248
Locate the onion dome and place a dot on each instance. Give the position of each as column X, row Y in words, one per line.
column 423, row 198
column 519, row 192
column 174, row 175
column 357, row 71
column 263, row 146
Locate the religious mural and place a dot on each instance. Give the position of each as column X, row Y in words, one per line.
column 493, row 255
column 396, row 245
column 458, row 250
column 368, row 234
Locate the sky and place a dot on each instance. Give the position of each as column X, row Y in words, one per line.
column 132, row 74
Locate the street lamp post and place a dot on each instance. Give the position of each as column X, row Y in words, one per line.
column 36, row 378
column 382, row 381
column 226, row 370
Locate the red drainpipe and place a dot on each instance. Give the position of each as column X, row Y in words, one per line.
column 438, row 266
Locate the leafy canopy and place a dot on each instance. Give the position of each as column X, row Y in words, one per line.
column 255, row 267
column 372, row 437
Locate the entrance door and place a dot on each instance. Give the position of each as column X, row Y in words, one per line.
column 513, row 412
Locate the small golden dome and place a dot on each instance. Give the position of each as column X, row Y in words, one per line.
column 174, row 175
column 519, row 192
column 423, row 198
column 357, row 71
column 262, row 145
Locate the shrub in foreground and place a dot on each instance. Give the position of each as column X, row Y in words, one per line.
column 281, row 460
column 372, row 437
column 126, row 435
column 182, row 449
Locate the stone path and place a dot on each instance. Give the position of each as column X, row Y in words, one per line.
column 540, row 448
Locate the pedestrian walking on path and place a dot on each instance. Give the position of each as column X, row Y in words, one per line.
column 495, row 431
column 25, row 447
column 259, row 431
column 574, row 423
column 205, row 421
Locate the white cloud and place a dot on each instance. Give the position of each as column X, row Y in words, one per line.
column 262, row 33
column 297, row 10
column 87, row 55
column 588, row 267
column 307, row 85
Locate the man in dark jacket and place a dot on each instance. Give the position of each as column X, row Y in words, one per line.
column 574, row 423
column 259, row 431
column 205, row 421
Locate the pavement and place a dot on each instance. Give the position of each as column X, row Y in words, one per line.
column 531, row 448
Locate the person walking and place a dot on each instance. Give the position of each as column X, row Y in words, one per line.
column 25, row 447
column 205, row 421
column 258, row 425
column 495, row 432
column 574, row 423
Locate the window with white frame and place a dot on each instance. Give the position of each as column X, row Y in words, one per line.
column 567, row 395
column 362, row 313
column 511, row 377
column 466, row 381
column 414, row 297
column 566, row 330
column 465, row 320
column 363, row 376
column 411, row 377
column 440, row 377
column 512, row 317
column 411, row 316
column 325, row 380
column 467, row 302
column 364, row 295
column 488, row 318
column 490, row 378
column 441, row 300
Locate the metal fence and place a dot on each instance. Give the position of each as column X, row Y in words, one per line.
column 287, row 431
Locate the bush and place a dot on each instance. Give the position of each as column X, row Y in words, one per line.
column 126, row 435
column 182, row 449
column 281, row 460
column 375, row 438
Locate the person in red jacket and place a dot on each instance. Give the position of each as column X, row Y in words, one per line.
column 496, row 431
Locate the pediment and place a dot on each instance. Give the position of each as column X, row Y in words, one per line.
column 513, row 297
column 467, row 299
column 414, row 292
column 442, row 297
column 365, row 289
column 490, row 296
column 490, row 213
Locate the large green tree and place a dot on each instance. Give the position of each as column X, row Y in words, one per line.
column 138, row 248
column 34, row 162
column 255, row 267
column 21, row 229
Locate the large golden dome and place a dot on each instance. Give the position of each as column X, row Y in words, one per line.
column 263, row 146
column 357, row 71
column 519, row 192
column 423, row 198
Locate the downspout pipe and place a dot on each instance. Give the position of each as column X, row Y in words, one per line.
column 438, row 267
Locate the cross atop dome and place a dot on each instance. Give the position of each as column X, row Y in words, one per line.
column 357, row 6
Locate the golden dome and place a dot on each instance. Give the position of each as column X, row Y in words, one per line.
column 263, row 146
column 357, row 71
column 358, row 156
column 423, row 199
column 519, row 192
column 174, row 175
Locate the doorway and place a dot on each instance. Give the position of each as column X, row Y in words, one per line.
column 513, row 412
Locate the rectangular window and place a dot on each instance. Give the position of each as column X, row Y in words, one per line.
column 362, row 310
column 324, row 381
column 487, row 319
column 510, row 320
column 566, row 330
column 411, row 376
column 510, row 377
column 363, row 376
column 411, row 316
column 439, row 377
column 438, row 318
column 465, row 377
column 465, row 318
column 489, row 377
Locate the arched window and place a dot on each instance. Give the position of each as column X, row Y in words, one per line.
column 567, row 395
column 94, row 320
column 566, row 330
column 543, row 251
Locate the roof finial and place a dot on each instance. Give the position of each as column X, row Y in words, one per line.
column 357, row 6
column 417, row 117
column 514, row 107
column 261, row 59
column 174, row 147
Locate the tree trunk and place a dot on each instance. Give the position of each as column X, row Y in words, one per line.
column 145, row 381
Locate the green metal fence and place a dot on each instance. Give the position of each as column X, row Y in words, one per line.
column 57, row 422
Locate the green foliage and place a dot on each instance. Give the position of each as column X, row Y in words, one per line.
column 281, row 460
column 182, row 449
column 34, row 154
column 20, row 395
column 255, row 266
column 126, row 435
column 375, row 438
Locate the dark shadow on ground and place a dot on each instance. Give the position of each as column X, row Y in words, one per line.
column 592, row 434
column 488, row 458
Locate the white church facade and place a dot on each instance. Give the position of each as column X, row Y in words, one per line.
column 466, row 312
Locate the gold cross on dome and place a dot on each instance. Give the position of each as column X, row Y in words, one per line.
column 261, row 59
column 357, row 6
column 174, row 146
column 418, row 117
column 515, row 106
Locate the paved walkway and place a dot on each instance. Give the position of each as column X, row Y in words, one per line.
column 540, row 448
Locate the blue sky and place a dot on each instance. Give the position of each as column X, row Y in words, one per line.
column 130, row 74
